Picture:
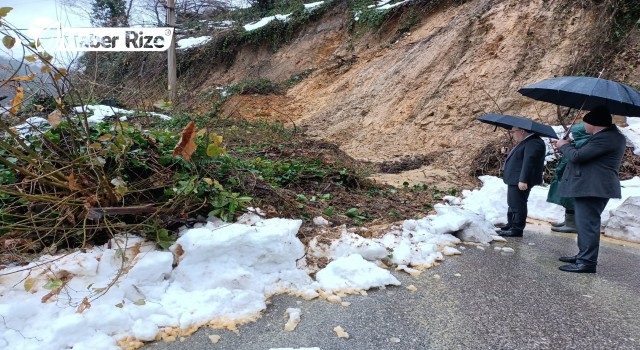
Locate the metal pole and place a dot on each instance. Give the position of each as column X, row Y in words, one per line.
column 171, row 62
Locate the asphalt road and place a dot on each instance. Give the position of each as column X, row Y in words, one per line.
column 484, row 299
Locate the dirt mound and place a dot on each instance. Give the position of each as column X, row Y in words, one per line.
column 384, row 96
column 404, row 164
column 422, row 92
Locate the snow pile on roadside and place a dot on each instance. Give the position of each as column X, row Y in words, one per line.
column 217, row 274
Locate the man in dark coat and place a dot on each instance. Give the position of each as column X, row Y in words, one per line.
column 522, row 170
column 591, row 177
column 579, row 136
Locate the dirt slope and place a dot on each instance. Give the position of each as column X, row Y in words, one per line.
column 380, row 97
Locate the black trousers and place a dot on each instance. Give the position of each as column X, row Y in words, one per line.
column 517, row 212
column 588, row 211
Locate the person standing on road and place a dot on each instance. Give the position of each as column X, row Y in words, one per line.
column 579, row 136
column 592, row 178
column 522, row 170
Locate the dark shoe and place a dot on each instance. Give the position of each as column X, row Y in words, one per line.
column 569, row 259
column 511, row 233
column 565, row 229
column 506, row 227
column 578, row 268
column 558, row 224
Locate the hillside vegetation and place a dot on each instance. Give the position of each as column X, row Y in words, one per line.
column 407, row 82
column 299, row 117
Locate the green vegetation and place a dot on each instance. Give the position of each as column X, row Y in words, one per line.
column 73, row 184
column 614, row 21
column 252, row 87
column 363, row 15
column 412, row 20
column 626, row 16
column 109, row 13
column 274, row 34
column 260, row 87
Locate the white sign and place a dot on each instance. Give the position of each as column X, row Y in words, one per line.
column 114, row 39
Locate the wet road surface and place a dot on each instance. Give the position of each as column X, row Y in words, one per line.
column 482, row 299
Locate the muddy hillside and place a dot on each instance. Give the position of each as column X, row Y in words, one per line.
column 384, row 94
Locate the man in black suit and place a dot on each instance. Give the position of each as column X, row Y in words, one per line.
column 591, row 177
column 522, row 170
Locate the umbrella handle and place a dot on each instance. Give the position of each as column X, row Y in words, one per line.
column 560, row 118
column 567, row 132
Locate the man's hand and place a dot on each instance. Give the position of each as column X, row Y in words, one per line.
column 522, row 186
column 559, row 143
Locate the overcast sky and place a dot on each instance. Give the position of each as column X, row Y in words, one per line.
column 33, row 17
column 28, row 13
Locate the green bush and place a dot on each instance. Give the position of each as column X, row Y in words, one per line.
column 259, row 86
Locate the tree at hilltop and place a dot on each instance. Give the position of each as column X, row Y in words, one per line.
column 109, row 13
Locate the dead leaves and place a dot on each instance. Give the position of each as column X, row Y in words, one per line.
column 4, row 11
column 50, row 295
column 72, row 182
column 29, row 283
column 8, row 41
column 17, row 100
column 186, row 146
column 177, row 255
column 28, row 77
column 55, row 118
column 83, row 306
column 19, row 97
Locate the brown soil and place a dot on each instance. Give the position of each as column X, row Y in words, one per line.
column 386, row 94
column 403, row 105
column 410, row 100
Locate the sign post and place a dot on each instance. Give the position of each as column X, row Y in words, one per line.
column 171, row 62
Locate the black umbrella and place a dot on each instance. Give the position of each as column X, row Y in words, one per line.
column 509, row 121
column 586, row 93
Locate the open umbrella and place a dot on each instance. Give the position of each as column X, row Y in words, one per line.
column 586, row 93
column 509, row 121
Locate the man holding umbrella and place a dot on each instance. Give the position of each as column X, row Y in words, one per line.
column 523, row 167
column 522, row 170
column 591, row 177
column 592, row 174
